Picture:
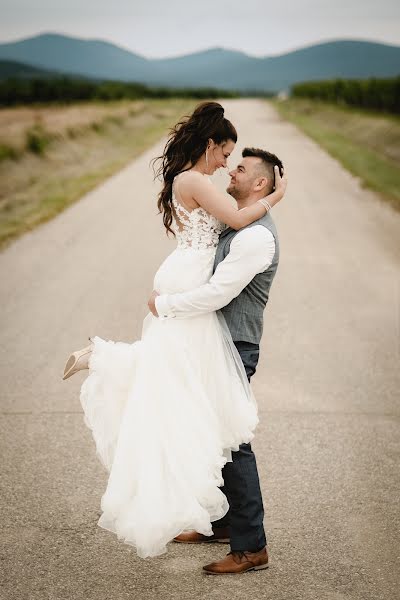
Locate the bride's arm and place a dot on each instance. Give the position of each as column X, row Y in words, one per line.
column 219, row 205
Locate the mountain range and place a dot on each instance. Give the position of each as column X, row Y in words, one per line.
column 216, row 67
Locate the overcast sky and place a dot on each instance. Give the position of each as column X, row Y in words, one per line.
column 158, row 28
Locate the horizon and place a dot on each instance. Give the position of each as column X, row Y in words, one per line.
column 155, row 30
column 198, row 51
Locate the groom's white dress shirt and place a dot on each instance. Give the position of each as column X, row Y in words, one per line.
column 251, row 252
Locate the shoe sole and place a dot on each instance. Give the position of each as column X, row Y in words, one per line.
column 218, row 541
column 258, row 568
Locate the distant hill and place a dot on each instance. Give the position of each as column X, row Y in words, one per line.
column 10, row 68
column 92, row 58
column 215, row 67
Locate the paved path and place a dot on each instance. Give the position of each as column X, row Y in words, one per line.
column 327, row 385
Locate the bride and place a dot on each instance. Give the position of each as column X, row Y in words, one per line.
column 166, row 411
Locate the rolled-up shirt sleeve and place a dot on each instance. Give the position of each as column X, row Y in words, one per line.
column 251, row 252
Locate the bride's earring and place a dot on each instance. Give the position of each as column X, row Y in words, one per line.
column 207, row 157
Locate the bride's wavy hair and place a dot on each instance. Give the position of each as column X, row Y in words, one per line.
column 186, row 143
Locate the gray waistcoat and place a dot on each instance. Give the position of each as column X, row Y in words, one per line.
column 244, row 314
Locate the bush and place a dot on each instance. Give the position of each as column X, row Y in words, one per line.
column 66, row 89
column 8, row 152
column 376, row 94
column 37, row 139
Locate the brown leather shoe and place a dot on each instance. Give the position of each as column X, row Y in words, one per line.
column 220, row 535
column 238, row 562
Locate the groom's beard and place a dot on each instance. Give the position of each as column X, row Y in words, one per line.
column 236, row 194
column 232, row 191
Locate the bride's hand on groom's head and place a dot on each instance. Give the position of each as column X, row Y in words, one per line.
column 280, row 183
column 152, row 303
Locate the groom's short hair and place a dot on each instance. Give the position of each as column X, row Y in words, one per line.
column 268, row 162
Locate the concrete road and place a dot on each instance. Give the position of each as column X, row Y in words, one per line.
column 327, row 386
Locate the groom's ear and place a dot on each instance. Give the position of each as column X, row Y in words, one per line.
column 262, row 182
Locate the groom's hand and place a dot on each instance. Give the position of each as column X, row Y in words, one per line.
column 152, row 303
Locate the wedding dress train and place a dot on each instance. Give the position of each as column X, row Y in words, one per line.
column 166, row 411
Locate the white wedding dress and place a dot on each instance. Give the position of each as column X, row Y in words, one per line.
column 166, row 411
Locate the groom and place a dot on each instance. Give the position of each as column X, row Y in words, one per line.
column 245, row 265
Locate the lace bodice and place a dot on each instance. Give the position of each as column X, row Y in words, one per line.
column 195, row 228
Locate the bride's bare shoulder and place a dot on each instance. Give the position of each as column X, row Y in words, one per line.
column 189, row 180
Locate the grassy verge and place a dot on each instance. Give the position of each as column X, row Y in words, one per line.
column 366, row 144
column 52, row 156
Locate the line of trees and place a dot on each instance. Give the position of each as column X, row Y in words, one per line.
column 16, row 91
column 376, row 94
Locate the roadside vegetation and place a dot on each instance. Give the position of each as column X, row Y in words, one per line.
column 51, row 155
column 366, row 143
column 374, row 94
column 52, row 89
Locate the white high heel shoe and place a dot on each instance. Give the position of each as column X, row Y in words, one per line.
column 78, row 360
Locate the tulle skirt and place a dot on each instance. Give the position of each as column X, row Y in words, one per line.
column 165, row 413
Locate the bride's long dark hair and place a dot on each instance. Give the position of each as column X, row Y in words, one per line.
column 186, row 143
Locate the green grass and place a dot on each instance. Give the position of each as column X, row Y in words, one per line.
column 37, row 139
column 8, row 152
column 57, row 171
column 365, row 143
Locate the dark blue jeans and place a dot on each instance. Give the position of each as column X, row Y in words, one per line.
column 241, row 482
